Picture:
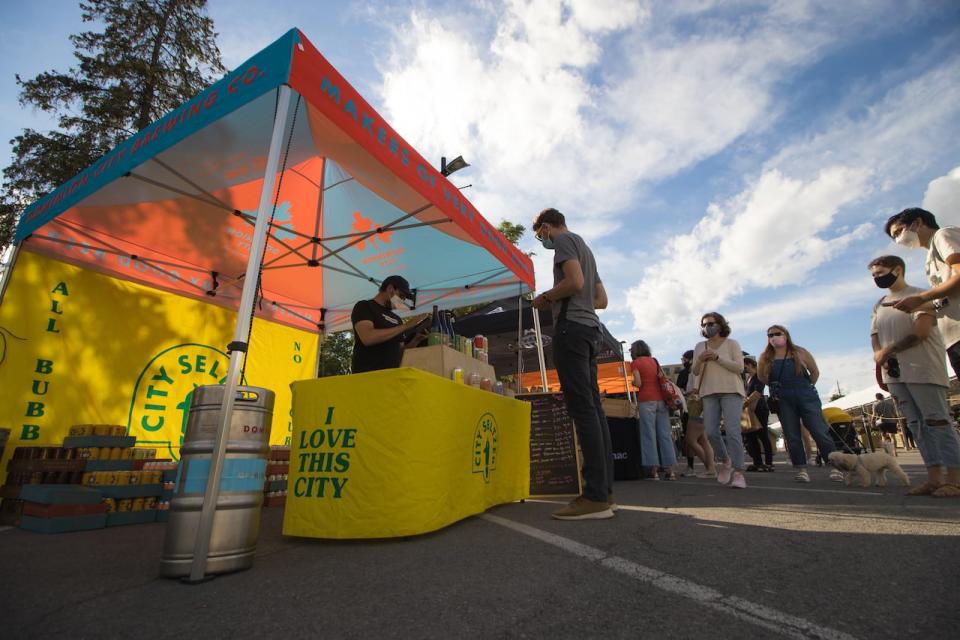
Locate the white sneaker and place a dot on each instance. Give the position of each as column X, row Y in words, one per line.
column 802, row 476
column 836, row 475
column 739, row 481
column 688, row 472
column 724, row 471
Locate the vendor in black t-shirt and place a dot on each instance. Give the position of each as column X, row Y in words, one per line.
column 379, row 334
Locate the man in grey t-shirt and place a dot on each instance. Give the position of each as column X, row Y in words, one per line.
column 576, row 293
column 917, row 377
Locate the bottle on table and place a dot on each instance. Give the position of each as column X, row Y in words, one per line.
column 436, row 330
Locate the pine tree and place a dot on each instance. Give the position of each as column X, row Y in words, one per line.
column 149, row 57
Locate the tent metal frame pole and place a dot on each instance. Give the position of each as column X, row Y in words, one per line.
column 8, row 272
column 539, row 336
column 210, row 497
column 626, row 383
column 519, row 381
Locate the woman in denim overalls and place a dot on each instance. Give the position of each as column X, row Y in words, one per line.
column 790, row 372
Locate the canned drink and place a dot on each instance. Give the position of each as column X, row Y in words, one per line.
column 124, row 505
column 137, row 504
column 111, row 504
column 102, row 430
column 116, row 453
column 457, row 375
column 119, row 430
column 90, row 477
column 128, row 454
column 104, row 453
column 478, row 342
column 36, row 477
column 134, row 477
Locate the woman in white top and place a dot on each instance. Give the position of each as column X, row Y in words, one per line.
column 718, row 363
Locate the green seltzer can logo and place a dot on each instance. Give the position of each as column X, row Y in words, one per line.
column 485, row 446
column 164, row 390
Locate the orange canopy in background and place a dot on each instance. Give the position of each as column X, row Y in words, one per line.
column 609, row 378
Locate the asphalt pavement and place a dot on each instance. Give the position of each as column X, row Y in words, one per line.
column 684, row 559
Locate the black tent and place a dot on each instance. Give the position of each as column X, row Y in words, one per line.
column 499, row 321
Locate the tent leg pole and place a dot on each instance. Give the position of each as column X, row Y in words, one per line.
column 201, row 548
column 519, row 380
column 8, row 272
column 317, row 373
column 626, row 382
column 539, row 336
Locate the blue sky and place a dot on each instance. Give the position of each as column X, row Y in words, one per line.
column 729, row 156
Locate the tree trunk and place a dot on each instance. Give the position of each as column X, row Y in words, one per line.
column 146, row 100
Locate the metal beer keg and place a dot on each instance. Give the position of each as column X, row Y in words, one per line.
column 236, row 522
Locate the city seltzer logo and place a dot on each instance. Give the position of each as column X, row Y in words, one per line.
column 485, row 446
column 162, row 395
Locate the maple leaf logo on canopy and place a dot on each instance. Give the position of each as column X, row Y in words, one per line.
column 364, row 225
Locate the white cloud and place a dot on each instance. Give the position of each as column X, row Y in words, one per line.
column 808, row 303
column 943, row 198
column 770, row 235
column 854, row 370
column 545, row 123
column 781, row 228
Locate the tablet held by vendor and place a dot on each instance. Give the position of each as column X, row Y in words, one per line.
column 380, row 335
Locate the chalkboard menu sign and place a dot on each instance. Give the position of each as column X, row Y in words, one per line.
column 553, row 448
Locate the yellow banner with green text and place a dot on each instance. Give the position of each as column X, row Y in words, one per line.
column 400, row 452
column 78, row 347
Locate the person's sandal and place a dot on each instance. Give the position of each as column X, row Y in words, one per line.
column 947, row 491
column 926, row 489
column 753, row 467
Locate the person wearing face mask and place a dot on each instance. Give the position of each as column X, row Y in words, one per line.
column 695, row 438
column 791, row 373
column 918, row 229
column 576, row 294
column 919, row 381
column 718, row 366
column 379, row 334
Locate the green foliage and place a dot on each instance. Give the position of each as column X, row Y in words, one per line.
column 149, row 57
column 336, row 355
column 512, row 232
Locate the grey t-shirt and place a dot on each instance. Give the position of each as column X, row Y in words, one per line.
column 884, row 408
column 570, row 246
column 922, row 363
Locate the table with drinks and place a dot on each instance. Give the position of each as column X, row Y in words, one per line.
column 405, row 451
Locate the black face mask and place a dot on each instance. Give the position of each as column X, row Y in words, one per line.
column 886, row 280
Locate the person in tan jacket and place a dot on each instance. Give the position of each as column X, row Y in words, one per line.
column 718, row 363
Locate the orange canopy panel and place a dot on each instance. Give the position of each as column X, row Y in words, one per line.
column 609, row 378
column 174, row 205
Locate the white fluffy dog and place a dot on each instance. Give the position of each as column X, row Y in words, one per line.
column 869, row 466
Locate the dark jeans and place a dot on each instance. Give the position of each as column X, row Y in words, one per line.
column 801, row 402
column 757, row 439
column 575, row 349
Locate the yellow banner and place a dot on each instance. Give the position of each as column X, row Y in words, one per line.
column 77, row 347
column 400, row 452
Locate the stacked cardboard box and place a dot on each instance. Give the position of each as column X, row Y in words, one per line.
column 278, row 466
column 36, row 466
column 53, row 508
column 121, row 484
